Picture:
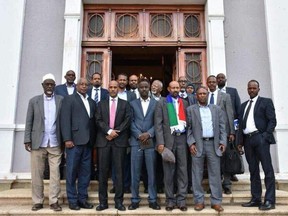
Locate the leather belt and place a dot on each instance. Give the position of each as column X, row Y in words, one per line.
column 178, row 133
column 208, row 138
column 251, row 134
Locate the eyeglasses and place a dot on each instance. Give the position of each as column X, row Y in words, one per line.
column 184, row 81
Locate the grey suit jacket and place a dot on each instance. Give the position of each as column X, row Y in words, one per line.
column 161, row 124
column 141, row 123
column 224, row 101
column 194, row 134
column 35, row 125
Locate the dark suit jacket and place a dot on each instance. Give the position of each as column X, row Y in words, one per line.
column 141, row 123
column 162, row 126
column 264, row 117
column 131, row 96
column 235, row 99
column 122, row 123
column 104, row 93
column 76, row 125
column 35, row 125
column 62, row 90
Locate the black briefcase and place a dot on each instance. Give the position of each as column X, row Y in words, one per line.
column 233, row 161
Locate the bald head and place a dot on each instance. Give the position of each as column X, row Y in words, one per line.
column 174, row 88
column 221, row 80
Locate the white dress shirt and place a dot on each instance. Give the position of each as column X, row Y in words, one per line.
column 250, row 124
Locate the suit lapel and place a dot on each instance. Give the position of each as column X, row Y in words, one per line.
column 212, row 108
column 41, row 106
column 197, row 113
column 57, row 103
column 81, row 103
column 258, row 102
column 140, row 107
column 219, row 98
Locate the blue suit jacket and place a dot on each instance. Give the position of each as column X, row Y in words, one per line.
column 62, row 90
column 140, row 123
column 104, row 93
column 264, row 117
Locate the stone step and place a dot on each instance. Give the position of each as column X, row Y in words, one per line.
column 236, row 186
column 229, row 210
column 23, row 197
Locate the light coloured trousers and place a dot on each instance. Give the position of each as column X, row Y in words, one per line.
column 38, row 158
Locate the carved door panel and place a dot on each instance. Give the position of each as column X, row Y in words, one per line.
column 97, row 60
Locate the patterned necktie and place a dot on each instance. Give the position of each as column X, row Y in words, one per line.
column 112, row 113
column 212, row 98
column 96, row 98
column 246, row 115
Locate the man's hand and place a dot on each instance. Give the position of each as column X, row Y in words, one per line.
column 28, row 147
column 69, row 144
column 240, row 149
column 114, row 134
column 222, row 148
column 160, row 148
column 231, row 137
column 193, row 149
column 144, row 137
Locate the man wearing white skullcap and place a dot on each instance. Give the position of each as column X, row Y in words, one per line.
column 42, row 140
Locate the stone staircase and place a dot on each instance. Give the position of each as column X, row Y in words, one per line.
column 15, row 199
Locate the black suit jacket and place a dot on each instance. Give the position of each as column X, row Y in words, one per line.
column 122, row 123
column 76, row 125
column 235, row 99
column 104, row 93
column 62, row 90
column 264, row 117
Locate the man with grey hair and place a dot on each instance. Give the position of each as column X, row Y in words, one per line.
column 156, row 89
column 42, row 139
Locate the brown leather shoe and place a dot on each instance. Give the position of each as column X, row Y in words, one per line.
column 55, row 207
column 217, row 208
column 199, row 206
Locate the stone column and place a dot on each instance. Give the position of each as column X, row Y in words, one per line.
column 277, row 34
column 72, row 37
column 215, row 37
column 10, row 58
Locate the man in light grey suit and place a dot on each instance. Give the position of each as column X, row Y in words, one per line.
column 142, row 143
column 42, row 138
column 224, row 101
column 170, row 130
column 206, row 138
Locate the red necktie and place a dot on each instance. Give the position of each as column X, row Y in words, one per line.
column 112, row 113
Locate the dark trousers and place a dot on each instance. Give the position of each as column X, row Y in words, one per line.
column 257, row 149
column 78, row 164
column 116, row 155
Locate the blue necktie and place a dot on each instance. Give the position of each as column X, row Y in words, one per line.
column 96, row 96
column 212, row 98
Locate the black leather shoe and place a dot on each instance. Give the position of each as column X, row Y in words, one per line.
column 227, row 191
column 252, row 204
column 55, row 207
column 133, row 206
column 112, row 190
column 74, row 206
column 183, row 208
column 169, row 208
column 234, row 178
column 154, row 205
column 37, row 207
column 120, row 207
column 85, row 205
column 101, row 207
column 267, row 205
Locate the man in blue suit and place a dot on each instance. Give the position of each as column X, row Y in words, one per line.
column 78, row 128
column 143, row 145
column 96, row 92
column 69, row 87
column 257, row 122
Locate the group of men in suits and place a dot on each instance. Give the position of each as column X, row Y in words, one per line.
column 206, row 125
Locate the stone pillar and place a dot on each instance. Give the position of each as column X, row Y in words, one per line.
column 72, row 37
column 10, row 58
column 277, row 34
column 215, row 37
